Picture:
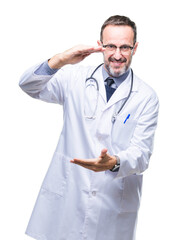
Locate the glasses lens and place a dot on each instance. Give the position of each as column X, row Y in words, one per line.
column 125, row 49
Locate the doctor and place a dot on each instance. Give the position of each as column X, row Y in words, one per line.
column 93, row 186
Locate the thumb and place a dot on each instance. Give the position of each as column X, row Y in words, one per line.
column 103, row 152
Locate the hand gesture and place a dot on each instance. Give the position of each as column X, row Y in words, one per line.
column 73, row 55
column 102, row 163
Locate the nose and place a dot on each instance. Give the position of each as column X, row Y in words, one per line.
column 117, row 54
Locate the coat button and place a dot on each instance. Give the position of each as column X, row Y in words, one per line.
column 93, row 193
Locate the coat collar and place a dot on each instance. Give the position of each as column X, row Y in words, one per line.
column 120, row 93
column 117, row 80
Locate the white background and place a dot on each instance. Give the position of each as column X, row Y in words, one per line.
column 33, row 31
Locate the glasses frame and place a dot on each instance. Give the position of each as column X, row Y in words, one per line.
column 126, row 52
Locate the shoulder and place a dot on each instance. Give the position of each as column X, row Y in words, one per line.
column 144, row 88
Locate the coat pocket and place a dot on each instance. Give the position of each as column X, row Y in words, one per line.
column 56, row 178
column 122, row 133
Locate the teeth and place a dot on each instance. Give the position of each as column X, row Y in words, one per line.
column 118, row 61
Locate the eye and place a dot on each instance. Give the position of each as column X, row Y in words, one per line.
column 124, row 48
column 111, row 46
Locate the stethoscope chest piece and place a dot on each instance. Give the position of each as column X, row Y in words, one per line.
column 113, row 119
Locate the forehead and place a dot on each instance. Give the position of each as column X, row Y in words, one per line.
column 118, row 35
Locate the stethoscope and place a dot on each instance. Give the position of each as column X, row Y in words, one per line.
column 114, row 116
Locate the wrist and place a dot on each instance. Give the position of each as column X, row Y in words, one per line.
column 57, row 61
column 116, row 167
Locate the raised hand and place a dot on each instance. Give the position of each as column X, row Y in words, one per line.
column 73, row 55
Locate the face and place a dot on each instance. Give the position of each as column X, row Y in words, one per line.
column 117, row 62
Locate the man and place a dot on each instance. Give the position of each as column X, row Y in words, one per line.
column 92, row 189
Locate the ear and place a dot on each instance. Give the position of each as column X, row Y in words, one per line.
column 99, row 43
column 135, row 48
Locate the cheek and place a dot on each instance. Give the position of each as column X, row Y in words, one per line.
column 129, row 59
column 106, row 56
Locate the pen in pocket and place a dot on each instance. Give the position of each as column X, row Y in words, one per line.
column 127, row 118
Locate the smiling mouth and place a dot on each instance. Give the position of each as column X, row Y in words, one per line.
column 117, row 62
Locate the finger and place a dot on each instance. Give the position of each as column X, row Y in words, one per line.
column 89, row 165
column 87, row 162
column 92, row 167
column 90, row 50
column 98, row 49
column 103, row 152
column 95, row 167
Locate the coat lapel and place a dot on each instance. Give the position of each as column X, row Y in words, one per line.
column 122, row 91
column 102, row 91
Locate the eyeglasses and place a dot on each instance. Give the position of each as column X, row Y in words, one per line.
column 124, row 49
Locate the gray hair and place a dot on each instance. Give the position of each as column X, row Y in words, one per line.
column 118, row 20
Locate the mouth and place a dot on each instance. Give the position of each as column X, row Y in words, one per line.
column 117, row 63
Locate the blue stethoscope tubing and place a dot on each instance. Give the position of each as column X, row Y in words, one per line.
column 113, row 119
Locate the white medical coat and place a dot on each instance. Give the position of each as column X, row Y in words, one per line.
column 75, row 203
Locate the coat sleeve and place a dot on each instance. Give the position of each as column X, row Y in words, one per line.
column 135, row 159
column 49, row 88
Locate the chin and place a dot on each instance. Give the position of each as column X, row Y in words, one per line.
column 116, row 72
